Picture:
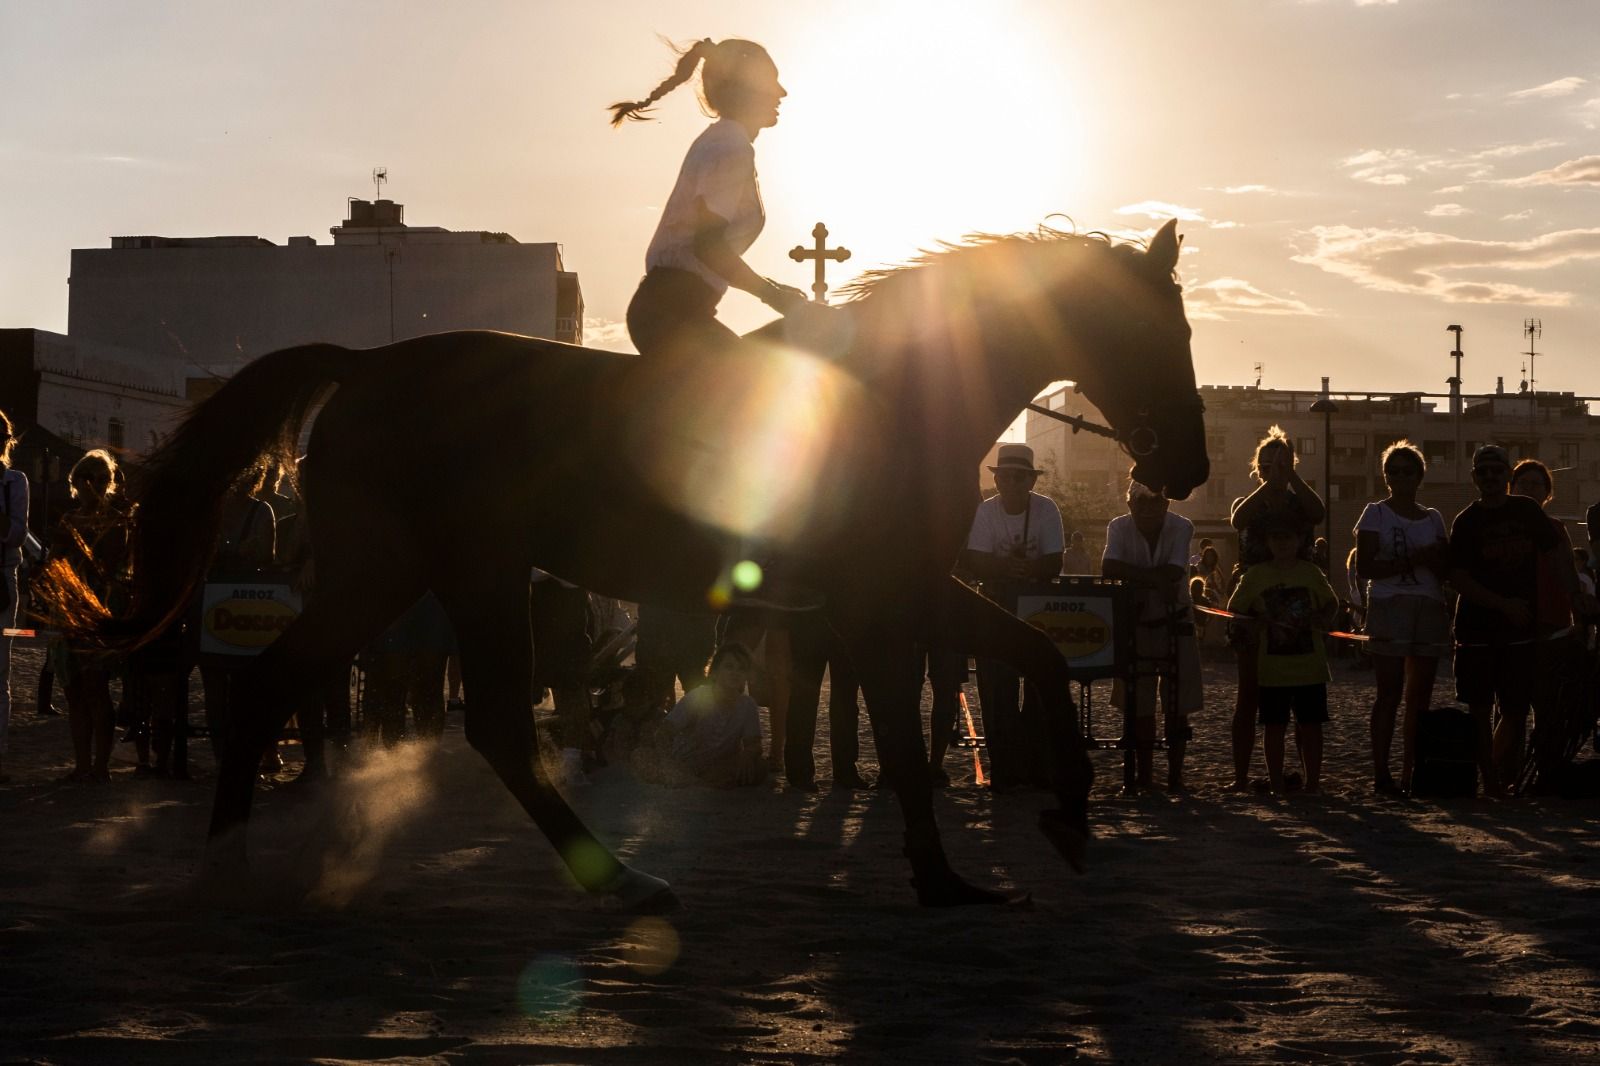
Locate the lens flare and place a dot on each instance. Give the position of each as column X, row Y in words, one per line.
column 651, row 946
column 747, row 575
column 589, row 863
column 549, row 988
column 743, row 442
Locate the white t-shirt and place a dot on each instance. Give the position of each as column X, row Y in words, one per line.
column 1125, row 544
column 1398, row 538
column 721, row 170
column 998, row 533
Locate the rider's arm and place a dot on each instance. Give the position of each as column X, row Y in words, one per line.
column 712, row 249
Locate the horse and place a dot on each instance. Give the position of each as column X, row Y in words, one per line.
column 456, row 462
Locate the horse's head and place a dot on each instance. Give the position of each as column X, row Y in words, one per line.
column 1135, row 365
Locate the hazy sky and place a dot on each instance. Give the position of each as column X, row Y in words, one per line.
column 1353, row 175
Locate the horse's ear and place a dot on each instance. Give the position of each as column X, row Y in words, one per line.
column 1163, row 251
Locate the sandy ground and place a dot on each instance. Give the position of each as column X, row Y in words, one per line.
column 413, row 914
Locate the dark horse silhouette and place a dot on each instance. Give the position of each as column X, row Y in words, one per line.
column 456, row 462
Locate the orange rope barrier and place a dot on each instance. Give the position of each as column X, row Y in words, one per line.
column 972, row 735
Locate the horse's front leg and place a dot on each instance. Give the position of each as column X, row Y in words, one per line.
column 493, row 635
column 968, row 623
column 889, row 669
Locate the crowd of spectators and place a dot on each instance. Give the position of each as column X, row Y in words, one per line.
column 1500, row 589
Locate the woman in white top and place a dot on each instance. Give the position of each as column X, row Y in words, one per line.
column 714, row 213
column 1401, row 553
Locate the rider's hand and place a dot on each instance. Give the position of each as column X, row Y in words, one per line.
column 784, row 299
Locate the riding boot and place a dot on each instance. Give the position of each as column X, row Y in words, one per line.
column 936, row 883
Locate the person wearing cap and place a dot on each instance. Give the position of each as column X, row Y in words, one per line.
column 1016, row 538
column 1495, row 546
column 1149, row 548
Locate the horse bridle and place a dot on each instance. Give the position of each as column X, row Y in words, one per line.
column 1138, row 441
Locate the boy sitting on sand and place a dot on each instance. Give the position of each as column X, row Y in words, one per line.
column 1294, row 602
column 713, row 735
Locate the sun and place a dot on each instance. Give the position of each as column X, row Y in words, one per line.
column 909, row 123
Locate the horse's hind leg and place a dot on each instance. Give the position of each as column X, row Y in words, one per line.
column 492, row 633
column 342, row 616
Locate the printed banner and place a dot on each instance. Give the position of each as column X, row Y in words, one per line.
column 240, row 619
column 1082, row 626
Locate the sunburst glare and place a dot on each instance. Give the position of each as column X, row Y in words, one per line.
column 741, row 443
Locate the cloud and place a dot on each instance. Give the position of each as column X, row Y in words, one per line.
column 1448, row 189
column 1559, row 87
column 1582, row 171
column 1446, row 211
column 1589, row 113
column 605, row 334
column 1235, row 190
column 1518, row 216
column 1162, row 209
column 1431, row 264
column 1396, row 166
column 1376, row 3
column 1380, row 166
column 1216, row 299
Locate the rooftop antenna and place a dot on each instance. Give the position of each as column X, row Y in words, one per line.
column 1258, row 375
column 1532, row 329
column 380, row 175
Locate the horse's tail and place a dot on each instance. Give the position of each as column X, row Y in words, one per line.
column 255, row 417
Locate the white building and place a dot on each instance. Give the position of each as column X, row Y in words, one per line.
column 221, row 300
column 90, row 395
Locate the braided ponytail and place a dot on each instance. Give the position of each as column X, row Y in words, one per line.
column 688, row 61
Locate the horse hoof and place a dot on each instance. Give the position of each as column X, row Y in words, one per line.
column 951, row 891
column 639, row 893
column 1070, row 840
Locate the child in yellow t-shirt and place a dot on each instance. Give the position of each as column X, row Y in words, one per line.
column 1294, row 602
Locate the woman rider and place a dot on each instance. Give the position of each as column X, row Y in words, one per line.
column 714, row 213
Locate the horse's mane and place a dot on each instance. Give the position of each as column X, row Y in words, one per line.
column 976, row 251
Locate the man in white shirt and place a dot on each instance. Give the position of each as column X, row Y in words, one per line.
column 1149, row 548
column 1016, row 539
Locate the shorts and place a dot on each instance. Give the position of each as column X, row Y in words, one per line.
column 1486, row 673
column 1308, row 702
column 1408, row 625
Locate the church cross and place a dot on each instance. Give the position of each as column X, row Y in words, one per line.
column 821, row 253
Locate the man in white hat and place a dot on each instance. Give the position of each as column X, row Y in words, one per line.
column 1016, row 539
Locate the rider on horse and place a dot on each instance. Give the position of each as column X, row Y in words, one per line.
column 714, row 213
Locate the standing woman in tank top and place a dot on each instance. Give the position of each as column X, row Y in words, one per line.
column 714, row 213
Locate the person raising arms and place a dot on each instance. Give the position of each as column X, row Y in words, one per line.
column 714, row 213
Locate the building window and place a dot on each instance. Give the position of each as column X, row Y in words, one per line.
column 116, row 434
column 1058, row 400
column 1436, row 451
column 1569, row 454
column 1305, row 446
column 1217, row 488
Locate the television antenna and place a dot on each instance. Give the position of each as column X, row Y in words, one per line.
column 1532, row 329
column 380, row 175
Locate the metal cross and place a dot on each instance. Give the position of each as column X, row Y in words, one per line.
column 821, row 253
